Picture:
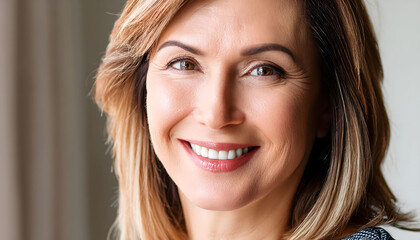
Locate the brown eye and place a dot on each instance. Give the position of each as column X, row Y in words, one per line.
column 262, row 71
column 184, row 65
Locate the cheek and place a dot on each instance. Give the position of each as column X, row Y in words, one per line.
column 285, row 118
column 285, row 114
column 166, row 105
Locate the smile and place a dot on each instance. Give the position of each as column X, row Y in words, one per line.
column 219, row 157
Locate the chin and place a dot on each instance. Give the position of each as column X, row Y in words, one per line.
column 218, row 199
column 219, row 204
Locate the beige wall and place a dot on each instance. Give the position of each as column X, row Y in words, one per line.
column 396, row 24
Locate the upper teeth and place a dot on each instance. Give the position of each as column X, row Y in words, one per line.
column 220, row 155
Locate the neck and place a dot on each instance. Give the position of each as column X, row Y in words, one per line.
column 266, row 218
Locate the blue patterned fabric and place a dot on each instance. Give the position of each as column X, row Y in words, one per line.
column 372, row 233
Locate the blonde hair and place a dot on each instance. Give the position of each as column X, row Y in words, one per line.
column 342, row 183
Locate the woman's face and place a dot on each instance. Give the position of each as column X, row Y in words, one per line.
column 239, row 80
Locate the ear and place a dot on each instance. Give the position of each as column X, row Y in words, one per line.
column 324, row 116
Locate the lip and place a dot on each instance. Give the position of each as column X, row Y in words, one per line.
column 214, row 165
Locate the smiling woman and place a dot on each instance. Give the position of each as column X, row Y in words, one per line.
column 236, row 120
column 208, row 90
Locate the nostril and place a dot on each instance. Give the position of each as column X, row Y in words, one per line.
column 218, row 118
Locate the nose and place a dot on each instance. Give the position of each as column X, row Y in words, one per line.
column 218, row 103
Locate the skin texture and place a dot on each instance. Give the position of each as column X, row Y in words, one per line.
column 219, row 97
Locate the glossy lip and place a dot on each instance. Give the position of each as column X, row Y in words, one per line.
column 214, row 165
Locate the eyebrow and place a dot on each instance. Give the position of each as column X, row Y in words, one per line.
column 181, row 45
column 268, row 47
column 250, row 51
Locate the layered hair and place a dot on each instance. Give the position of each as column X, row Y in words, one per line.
column 342, row 184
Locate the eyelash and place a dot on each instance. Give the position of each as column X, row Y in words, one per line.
column 277, row 71
column 178, row 59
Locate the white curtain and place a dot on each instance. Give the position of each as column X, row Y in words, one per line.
column 43, row 142
column 55, row 179
column 9, row 193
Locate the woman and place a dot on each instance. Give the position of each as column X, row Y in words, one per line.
column 238, row 120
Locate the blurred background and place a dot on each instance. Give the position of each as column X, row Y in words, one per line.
column 56, row 180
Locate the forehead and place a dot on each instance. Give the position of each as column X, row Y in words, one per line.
column 222, row 25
